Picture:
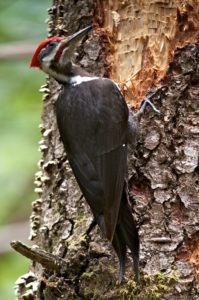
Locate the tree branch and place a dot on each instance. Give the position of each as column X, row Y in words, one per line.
column 46, row 259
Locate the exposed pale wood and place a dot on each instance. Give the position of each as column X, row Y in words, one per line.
column 144, row 36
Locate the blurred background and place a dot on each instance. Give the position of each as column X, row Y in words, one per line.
column 22, row 27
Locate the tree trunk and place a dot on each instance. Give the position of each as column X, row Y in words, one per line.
column 136, row 43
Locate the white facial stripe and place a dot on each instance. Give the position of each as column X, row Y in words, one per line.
column 75, row 80
column 51, row 56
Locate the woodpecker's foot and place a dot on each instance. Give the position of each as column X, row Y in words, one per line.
column 147, row 101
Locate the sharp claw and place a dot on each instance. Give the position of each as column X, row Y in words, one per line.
column 152, row 105
column 147, row 101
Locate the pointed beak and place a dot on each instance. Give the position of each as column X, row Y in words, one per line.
column 72, row 40
column 76, row 37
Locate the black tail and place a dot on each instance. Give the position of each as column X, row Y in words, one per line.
column 119, row 245
column 126, row 234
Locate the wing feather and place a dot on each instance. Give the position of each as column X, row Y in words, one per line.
column 93, row 123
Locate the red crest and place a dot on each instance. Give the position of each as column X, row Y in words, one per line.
column 35, row 62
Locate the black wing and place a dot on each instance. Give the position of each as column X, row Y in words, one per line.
column 93, row 119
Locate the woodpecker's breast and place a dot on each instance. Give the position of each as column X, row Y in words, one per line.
column 90, row 110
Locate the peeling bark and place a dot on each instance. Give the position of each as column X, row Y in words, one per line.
column 163, row 171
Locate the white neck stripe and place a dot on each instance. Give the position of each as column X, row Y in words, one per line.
column 75, row 80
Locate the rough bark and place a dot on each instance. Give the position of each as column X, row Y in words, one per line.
column 73, row 261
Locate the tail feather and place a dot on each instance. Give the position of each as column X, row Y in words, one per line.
column 130, row 235
column 120, row 248
column 126, row 234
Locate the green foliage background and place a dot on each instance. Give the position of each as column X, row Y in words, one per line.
column 20, row 110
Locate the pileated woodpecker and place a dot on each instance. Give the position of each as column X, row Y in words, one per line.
column 93, row 121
